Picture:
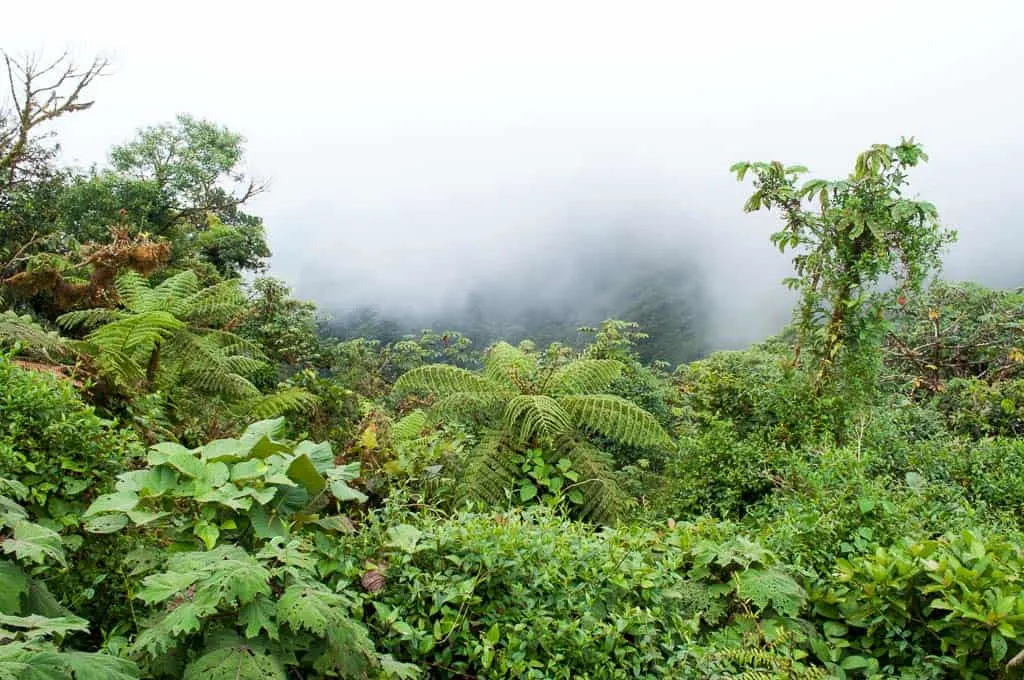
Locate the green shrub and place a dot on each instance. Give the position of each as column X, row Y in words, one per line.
column 951, row 607
column 976, row 408
column 715, row 472
column 55, row 445
column 66, row 455
column 524, row 594
column 829, row 505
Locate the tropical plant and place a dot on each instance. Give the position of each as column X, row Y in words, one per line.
column 864, row 229
column 528, row 403
column 33, row 626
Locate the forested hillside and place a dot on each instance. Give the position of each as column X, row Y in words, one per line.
column 199, row 480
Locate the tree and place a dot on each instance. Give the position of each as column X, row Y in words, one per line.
column 174, row 337
column 862, row 231
column 40, row 93
column 538, row 417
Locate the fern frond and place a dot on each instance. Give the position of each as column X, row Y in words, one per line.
column 409, row 427
column 509, row 365
column 584, row 376
column 488, row 471
column 603, row 499
column 214, row 304
column 289, row 400
column 463, row 405
column 443, row 380
column 88, row 318
column 536, row 415
column 132, row 288
column 616, row 418
column 34, row 339
column 122, row 346
column 171, row 295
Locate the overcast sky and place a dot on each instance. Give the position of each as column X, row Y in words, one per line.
column 413, row 146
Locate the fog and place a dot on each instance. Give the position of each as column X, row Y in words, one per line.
column 417, row 151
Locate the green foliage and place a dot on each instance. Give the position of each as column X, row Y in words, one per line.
column 241, row 490
column 863, row 229
column 715, row 472
column 529, row 402
column 526, row 595
column 33, row 627
column 952, row 605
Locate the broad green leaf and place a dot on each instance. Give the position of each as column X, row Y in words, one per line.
column 187, row 464
column 33, row 543
column 120, row 501
column 13, row 586
column 404, row 537
column 163, row 586
column 107, row 524
column 248, row 469
column 100, row 666
column 302, row 470
column 208, row 533
column 225, row 451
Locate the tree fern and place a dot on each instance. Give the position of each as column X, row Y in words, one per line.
column 616, row 418
column 122, row 346
column 525, row 405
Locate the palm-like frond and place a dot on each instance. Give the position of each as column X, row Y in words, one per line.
column 215, row 304
column 603, row 500
column 171, row 295
column 489, row 470
column 463, row 405
column 88, row 318
column 410, row 426
column 288, row 400
column 584, row 376
column 120, row 346
column 509, row 365
column 206, row 366
column 535, row 415
column 616, row 418
column 444, row 380
column 33, row 337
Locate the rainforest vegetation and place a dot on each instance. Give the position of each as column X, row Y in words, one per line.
column 198, row 480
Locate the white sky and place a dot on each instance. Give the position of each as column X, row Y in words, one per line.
column 414, row 145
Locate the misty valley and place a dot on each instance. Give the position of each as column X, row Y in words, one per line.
column 570, row 469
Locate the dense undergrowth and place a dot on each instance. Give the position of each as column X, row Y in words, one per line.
column 195, row 482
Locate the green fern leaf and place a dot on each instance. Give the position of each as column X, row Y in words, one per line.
column 603, row 500
column 584, row 376
column 509, row 365
column 489, row 470
column 536, row 415
column 288, row 400
column 443, row 380
column 616, row 418
column 410, row 427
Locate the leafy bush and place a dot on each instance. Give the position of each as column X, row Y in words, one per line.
column 238, row 584
column 526, row 595
column 55, row 445
column 715, row 472
column 935, row 608
column 33, row 626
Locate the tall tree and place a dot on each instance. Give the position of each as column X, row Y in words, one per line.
column 863, row 229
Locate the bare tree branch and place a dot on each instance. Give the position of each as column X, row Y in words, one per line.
column 39, row 94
